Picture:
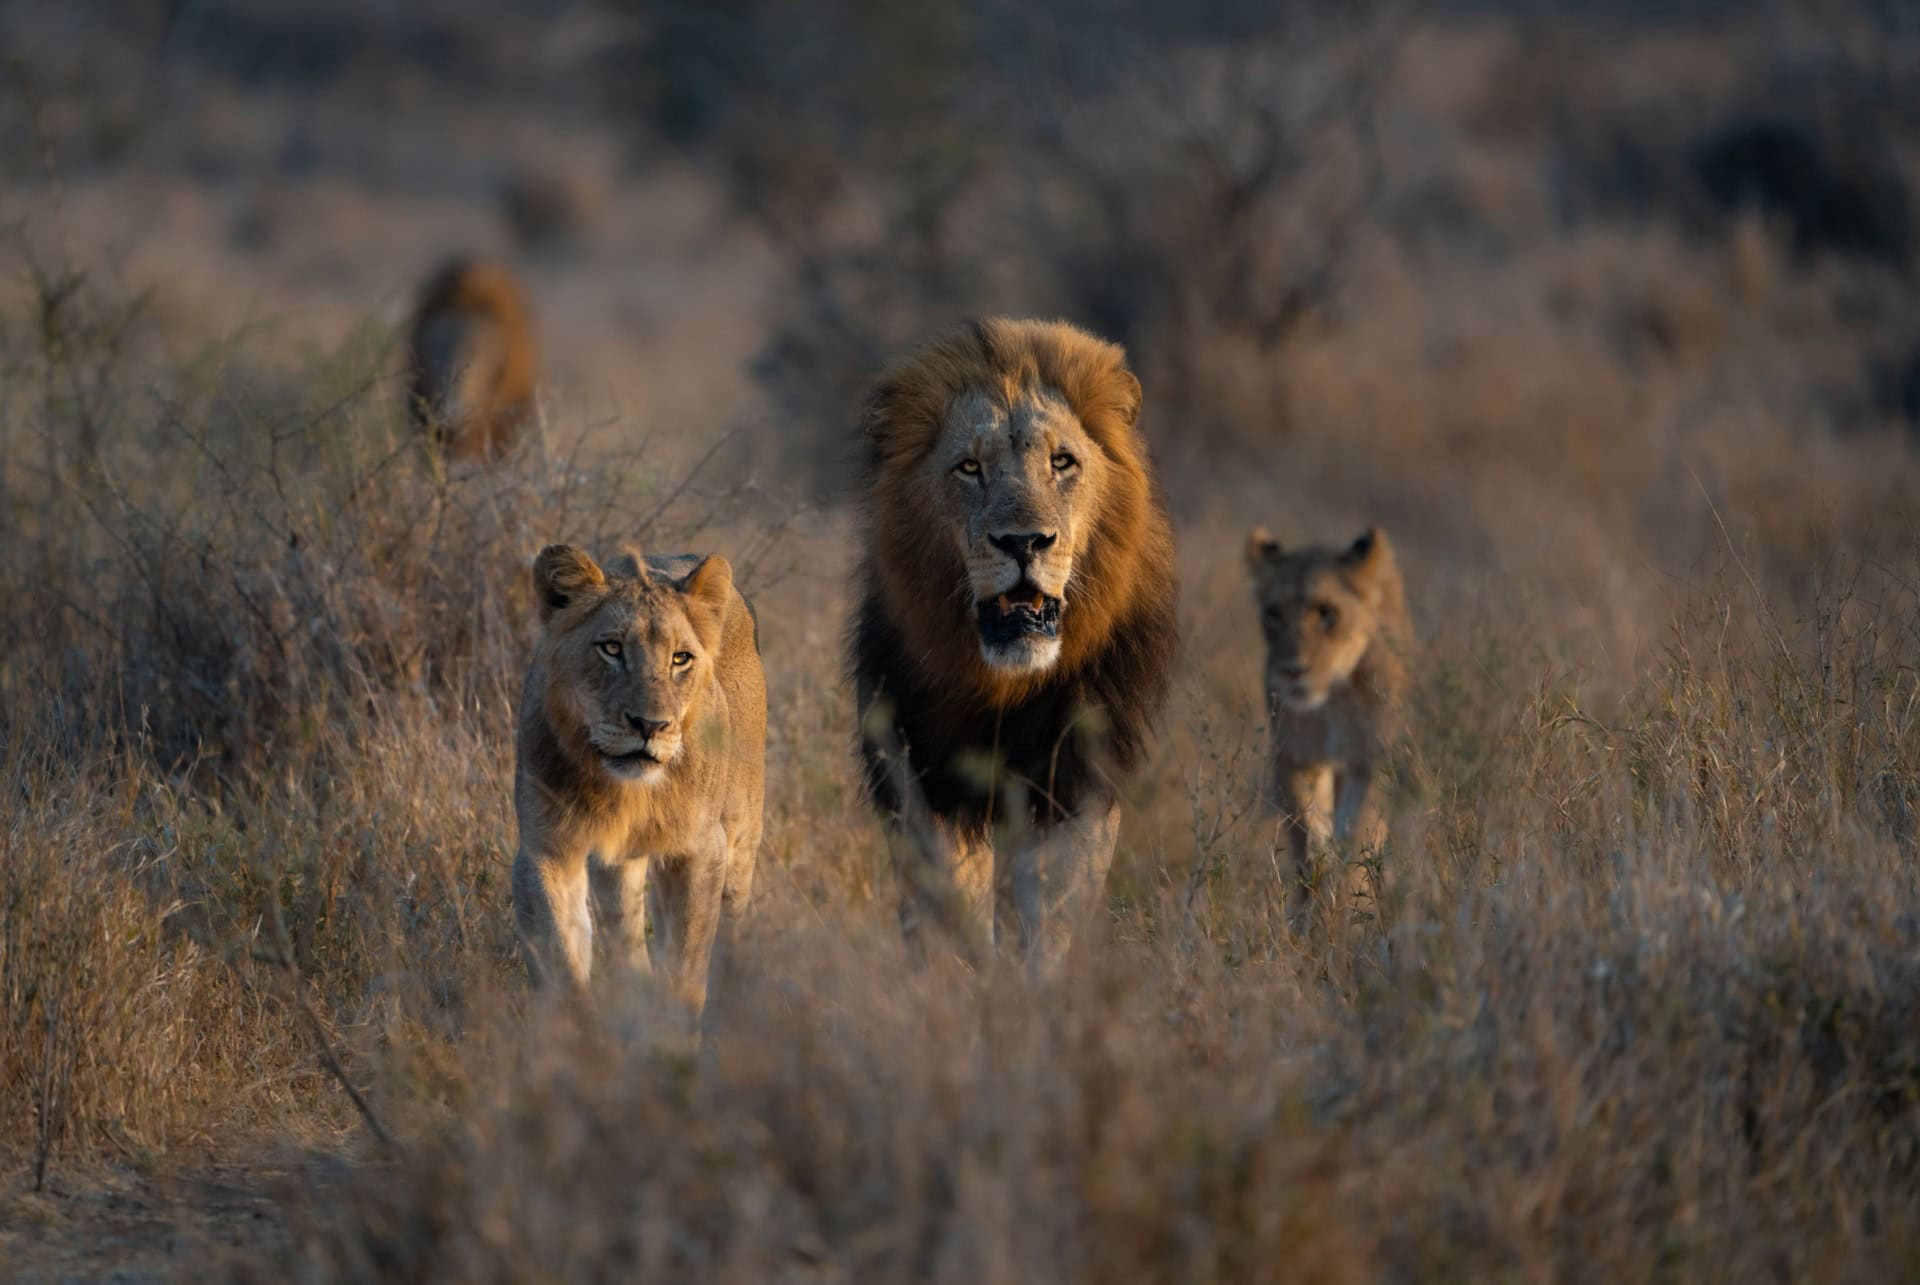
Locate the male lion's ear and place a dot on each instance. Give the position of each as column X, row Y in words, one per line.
column 1130, row 395
column 710, row 583
column 562, row 575
column 1261, row 545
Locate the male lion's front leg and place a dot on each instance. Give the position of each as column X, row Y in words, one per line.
column 691, row 889
column 944, row 880
column 550, row 911
column 1058, row 876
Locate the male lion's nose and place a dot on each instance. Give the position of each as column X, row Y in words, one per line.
column 1293, row 673
column 1023, row 545
column 648, row 727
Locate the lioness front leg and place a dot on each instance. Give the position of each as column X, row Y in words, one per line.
column 1057, row 879
column 620, row 910
column 550, row 911
column 691, row 889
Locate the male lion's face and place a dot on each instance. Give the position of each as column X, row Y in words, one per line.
column 631, row 654
column 1318, row 610
column 1018, row 490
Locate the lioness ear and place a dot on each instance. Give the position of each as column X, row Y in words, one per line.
column 711, row 583
column 1260, row 546
column 562, row 575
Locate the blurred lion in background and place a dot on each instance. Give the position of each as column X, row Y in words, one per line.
column 1016, row 629
column 1337, row 632
column 472, row 363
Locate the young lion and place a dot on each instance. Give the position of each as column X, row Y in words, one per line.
column 642, row 744
column 471, row 360
column 1337, row 634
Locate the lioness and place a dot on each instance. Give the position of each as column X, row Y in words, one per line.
column 471, row 359
column 1337, row 632
column 642, row 744
column 1016, row 630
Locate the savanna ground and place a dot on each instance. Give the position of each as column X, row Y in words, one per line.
column 1630, row 388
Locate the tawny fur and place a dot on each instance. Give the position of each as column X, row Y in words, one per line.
column 1338, row 635
column 595, row 829
column 1061, row 735
column 472, row 363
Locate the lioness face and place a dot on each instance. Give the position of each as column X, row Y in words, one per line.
column 1018, row 486
column 1318, row 612
column 632, row 654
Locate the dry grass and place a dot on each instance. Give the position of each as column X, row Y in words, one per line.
column 1641, row 996
column 1640, row 999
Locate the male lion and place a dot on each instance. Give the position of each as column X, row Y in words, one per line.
column 1016, row 629
column 643, row 731
column 471, row 360
column 1337, row 635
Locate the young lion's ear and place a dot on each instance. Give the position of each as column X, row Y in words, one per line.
column 562, row 575
column 1261, row 545
column 710, row 583
column 1368, row 556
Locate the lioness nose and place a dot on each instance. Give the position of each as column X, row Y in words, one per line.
column 648, row 727
column 1023, row 545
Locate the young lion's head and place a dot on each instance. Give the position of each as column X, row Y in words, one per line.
column 1321, row 609
column 1009, row 496
column 629, row 655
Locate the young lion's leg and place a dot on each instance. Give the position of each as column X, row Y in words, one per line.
column 550, row 911
column 620, row 910
column 1358, row 828
column 1297, row 792
column 1058, row 876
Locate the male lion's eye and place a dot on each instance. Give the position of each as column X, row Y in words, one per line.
column 1062, row 461
column 681, row 659
column 610, row 649
column 968, row 468
column 1329, row 614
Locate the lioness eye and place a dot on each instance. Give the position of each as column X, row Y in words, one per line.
column 1329, row 614
column 1062, row 461
column 681, row 659
column 968, row 468
column 610, row 649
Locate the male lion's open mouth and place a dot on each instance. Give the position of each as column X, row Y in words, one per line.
column 1023, row 612
column 641, row 762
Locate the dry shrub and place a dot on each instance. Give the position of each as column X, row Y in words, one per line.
column 116, row 1032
